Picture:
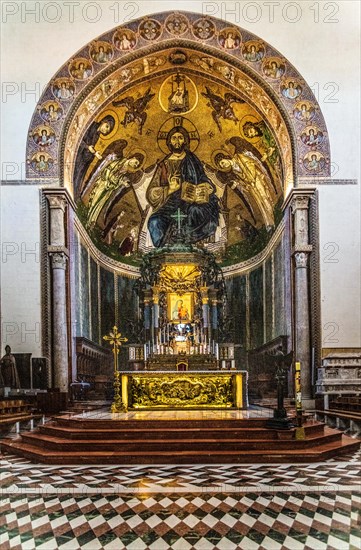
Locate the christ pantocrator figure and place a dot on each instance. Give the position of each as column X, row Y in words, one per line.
column 179, row 182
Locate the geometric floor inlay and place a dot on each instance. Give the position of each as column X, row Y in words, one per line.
column 225, row 507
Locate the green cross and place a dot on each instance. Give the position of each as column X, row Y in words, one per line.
column 179, row 217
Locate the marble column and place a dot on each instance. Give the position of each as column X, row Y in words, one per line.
column 301, row 252
column 205, row 315
column 60, row 332
column 155, row 317
column 214, row 314
column 147, row 315
column 58, row 254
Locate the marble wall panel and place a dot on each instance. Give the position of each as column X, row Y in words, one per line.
column 107, row 305
column 256, row 307
column 84, row 293
column 94, row 301
column 268, row 298
column 279, row 298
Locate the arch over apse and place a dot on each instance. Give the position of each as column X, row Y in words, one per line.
column 229, row 58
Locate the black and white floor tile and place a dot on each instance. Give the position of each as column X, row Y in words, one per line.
column 225, row 507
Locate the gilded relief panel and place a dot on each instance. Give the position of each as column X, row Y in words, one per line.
column 181, row 391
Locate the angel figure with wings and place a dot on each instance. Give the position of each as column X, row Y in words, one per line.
column 222, row 107
column 259, row 130
column 114, row 176
column 245, row 172
column 135, row 109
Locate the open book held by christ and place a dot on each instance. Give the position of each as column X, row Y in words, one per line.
column 196, row 193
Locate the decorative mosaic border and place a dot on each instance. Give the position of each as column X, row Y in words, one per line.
column 45, row 285
column 89, row 66
column 315, row 283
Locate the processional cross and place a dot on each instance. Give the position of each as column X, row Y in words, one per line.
column 115, row 339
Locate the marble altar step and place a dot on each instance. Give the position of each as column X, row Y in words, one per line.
column 163, row 433
column 94, row 422
column 89, row 441
column 147, row 444
column 322, row 452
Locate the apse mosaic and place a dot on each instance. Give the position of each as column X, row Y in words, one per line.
column 178, row 122
column 177, row 151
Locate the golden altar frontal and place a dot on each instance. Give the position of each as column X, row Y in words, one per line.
column 184, row 390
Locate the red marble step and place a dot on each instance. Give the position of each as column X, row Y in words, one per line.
column 102, row 424
column 147, row 444
column 320, row 453
column 164, row 434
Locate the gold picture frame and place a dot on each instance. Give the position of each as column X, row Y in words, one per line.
column 180, row 307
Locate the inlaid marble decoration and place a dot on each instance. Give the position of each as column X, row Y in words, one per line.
column 226, row 507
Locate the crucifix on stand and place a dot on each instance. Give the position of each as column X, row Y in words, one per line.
column 178, row 216
column 115, row 339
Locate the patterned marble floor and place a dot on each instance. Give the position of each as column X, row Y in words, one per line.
column 225, row 507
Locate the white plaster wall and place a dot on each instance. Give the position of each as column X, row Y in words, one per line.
column 324, row 45
column 340, row 230
column 20, row 269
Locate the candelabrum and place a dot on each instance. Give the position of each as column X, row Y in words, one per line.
column 115, row 339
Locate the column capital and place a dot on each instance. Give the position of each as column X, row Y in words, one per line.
column 298, row 199
column 58, row 260
column 301, row 259
column 300, row 202
column 57, row 202
column 148, row 296
column 204, row 294
column 213, row 294
column 60, row 195
column 155, row 294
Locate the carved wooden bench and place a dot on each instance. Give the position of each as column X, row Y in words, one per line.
column 14, row 406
